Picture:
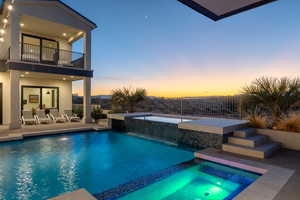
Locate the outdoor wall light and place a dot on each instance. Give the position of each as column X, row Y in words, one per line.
column 5, row 21
column 22, row 24
column 1, row 39
column 10, row 7
column 71, row 39
column 64, row 34
column 2, row 31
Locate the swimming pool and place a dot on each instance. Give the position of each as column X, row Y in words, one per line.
column 44, row 167
column 162, row 119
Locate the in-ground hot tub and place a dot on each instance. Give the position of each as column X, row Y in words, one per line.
column 167, row 128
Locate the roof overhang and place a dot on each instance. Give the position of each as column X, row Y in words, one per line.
column 219, row 9
column 88, row 21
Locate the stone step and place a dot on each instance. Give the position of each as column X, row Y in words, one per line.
column 246, row 132
column 262, row 151
column 252, row 141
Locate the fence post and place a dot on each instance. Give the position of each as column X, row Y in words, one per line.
column 181, row 108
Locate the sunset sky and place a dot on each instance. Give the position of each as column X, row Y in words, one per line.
column 171, row 50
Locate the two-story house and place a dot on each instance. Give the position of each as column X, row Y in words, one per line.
column 37, row 64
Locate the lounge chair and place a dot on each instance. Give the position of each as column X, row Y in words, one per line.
column 42, row 118
column 71, row 117
column 28, row 118
column 57, row 116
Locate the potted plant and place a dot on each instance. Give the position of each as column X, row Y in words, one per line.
column 97, row 114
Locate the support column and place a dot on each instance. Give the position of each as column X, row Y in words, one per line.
column 14, row 77
column 14, row 105
column 15, row 43
column 87, row 108
column 87, row 50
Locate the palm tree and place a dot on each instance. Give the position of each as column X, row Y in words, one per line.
column 275, row 95
column 127, row 99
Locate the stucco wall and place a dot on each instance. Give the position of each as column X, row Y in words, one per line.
column 4, row 79
column 288, row 140
column 65, row 90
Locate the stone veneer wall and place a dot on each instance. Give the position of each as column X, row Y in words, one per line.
column 170, row 132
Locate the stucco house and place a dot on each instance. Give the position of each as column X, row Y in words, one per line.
column 37, row 64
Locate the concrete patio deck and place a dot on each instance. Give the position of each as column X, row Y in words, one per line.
column 284, row 159
column 46, row 129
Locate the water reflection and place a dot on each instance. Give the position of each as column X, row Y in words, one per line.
column 44, row 167
column 24, row 182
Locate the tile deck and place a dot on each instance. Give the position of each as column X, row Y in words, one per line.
column 76, row 195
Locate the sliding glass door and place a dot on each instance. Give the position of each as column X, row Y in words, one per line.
column 35, row 97
column 38, row 49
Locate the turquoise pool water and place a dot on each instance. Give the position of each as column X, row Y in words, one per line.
column 44, row 167
column 205, row 181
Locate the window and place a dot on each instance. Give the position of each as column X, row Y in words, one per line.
column 34, row 97
column 38, row 49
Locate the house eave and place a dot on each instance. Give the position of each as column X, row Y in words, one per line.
column 208, row 13
column 92, row 24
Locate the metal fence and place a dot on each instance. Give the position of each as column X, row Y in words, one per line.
column 216, row 106
column 220, row 106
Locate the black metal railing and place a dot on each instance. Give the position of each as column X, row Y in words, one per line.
column 53, row 56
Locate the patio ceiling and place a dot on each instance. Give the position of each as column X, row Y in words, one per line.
column 219, row 9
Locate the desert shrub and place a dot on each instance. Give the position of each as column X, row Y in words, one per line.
column 275, row 95
column 258, row 121
column 126, row 99
column 289, row 123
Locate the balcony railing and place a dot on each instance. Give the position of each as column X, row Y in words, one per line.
column 52, row 56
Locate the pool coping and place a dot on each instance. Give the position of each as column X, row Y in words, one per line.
column 211, row 125
column 24, row 135
column 266, row 187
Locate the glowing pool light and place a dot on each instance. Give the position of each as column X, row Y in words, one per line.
column 63, row 139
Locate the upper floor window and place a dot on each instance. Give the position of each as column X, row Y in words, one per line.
column 38, row 49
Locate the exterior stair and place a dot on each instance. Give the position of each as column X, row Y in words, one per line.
column 247, row 142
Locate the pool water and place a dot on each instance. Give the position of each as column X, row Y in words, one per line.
column 205, row 181
column 163, row 119
column 44, row 167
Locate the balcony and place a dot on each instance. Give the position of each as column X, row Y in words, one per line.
column 37, row 58
column 51, row 56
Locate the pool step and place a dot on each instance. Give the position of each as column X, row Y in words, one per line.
column 245, row 132
column 262, row 151
column 252, row 141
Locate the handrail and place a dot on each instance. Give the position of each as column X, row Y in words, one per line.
column 50, row 55
column 52, row 48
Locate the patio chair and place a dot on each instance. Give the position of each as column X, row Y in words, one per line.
column 28, row 118
column 42, row 118
column 57, row 116
column 71, row 117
